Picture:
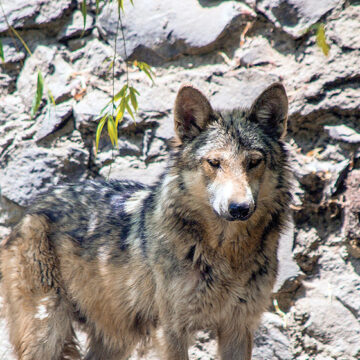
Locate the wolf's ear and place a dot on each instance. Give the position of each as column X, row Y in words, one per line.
column 270, row 110
column 192, row 112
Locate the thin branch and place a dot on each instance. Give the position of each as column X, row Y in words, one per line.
column 125, row 52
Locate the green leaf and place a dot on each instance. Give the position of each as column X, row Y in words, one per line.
column 121, row 93
column 110, row 65
column 51, row 98
column 111, row 118
column 111, row 130
column 119, row 117
column 38, row 95
column 128, row 108
column 83, row 11
column 321, row 40
column 135, row 91
column 120, row 5
column 1, row 51
column 98, row 131
column 132, row 2
column 133, row 99
column 146, row 69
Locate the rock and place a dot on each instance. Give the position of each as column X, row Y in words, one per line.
column 306, row 253
column 13, row 120
column 327, row 328
column 32, row 170
column 239, row 89
column 61, row 81
column 256, row 52
column 271, row 339
column 352, row 213
column 343, row 133
column 33, row 13
column 88, row 109
column 342, row 32
column 94, row 59
column 289, row 275
column 10, row 212
column 128, row 168
column 13, row 53
column 75, row 26
column 160, row 31
column 53, row 120
column 296, row 16
column 41, row 59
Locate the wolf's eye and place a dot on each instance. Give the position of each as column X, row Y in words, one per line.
column 214, row 163
column 254, row 162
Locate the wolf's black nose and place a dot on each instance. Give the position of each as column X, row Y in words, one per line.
column 239, row 211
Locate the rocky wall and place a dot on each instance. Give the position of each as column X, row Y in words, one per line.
column 204, row 43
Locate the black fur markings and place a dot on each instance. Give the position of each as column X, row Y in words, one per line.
column 190, row 255
column 147, row 206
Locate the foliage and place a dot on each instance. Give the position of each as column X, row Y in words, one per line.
column 1, row 51
column 321, row 41
column 125, row 100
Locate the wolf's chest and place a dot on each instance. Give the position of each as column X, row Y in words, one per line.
column 209, row 296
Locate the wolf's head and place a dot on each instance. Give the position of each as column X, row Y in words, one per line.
column 232, row 161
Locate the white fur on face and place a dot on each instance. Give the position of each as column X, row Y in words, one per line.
column 221, row 195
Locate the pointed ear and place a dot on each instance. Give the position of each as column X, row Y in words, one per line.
column 270, row 110
column 192, row 112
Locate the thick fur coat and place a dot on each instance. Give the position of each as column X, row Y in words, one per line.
column 132, row 263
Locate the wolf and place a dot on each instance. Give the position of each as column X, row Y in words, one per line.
column 132, row 264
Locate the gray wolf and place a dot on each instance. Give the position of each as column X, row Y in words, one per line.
column 131, row 263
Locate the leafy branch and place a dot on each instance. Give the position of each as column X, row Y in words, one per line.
column 126, row 99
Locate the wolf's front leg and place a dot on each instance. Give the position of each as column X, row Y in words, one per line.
column 175, row 345
column 235, row 345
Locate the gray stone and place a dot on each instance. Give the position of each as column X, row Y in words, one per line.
column 41, row 59
column 157, row 31
column 94, row 59
column 296, row 16
column 128, row 168
column 332, row 329
column 256, row 52
column 13, row 120
column 272, row 340
column 10, row 212
column 288, row 269
column 352, row 213
column 343, row 133
column 53, row 120
column 32, row 170
column 343, row 30
column 239, row 89
column 13, row 52
column 62, row 80
column 32, row 13
column 75, row 26
column 88, row 109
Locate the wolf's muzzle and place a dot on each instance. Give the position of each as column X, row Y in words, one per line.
column 241, row 211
